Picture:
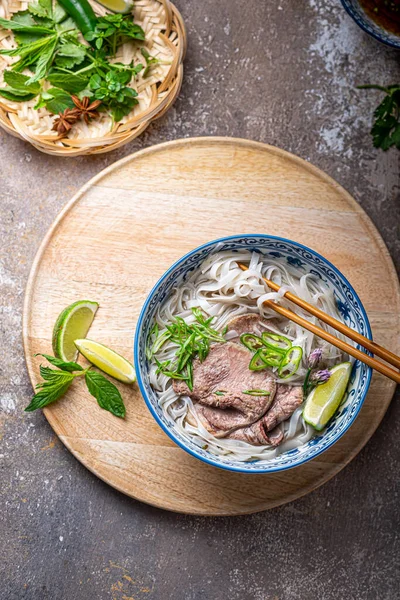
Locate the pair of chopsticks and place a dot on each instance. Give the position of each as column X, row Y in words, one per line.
column 386, row 355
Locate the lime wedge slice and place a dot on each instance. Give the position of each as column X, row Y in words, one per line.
column 326, row 398
column 72, row 323
column 117, row 6
column 107, row 360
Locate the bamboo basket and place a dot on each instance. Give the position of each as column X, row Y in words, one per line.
column 165, row 40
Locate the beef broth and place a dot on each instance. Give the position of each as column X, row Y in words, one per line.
column 385, row 13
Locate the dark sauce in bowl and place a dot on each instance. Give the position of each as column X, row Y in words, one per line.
column 386, row 13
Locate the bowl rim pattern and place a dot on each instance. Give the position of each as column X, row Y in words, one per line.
column 265, row 467
column 377, row 32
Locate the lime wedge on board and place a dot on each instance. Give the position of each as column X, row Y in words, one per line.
column 326, row 398
column 107, row 360
column 117, row 6
column 72, row 323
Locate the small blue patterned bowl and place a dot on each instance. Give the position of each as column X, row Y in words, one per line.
column 307, row 261
column 359, row 15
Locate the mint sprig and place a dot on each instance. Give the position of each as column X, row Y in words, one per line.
column 56, row 383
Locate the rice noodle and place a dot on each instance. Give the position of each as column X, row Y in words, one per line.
column 224, row 291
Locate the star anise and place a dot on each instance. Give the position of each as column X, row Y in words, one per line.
column 65, row 121
column 86, row 107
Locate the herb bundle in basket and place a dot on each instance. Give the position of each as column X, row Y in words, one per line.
column 78, row 68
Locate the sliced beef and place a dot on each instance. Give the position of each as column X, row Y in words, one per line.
column 261, row 432
column 226, row 371
column 256, row 435
column 287, row 399
column 249, row 323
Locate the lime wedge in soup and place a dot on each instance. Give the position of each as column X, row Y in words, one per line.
column 107, row 360
column 325, row 399
column 72, row 323
column 117, row 6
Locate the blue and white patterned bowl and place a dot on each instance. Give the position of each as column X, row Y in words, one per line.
column 307, row 261
column 357, row 13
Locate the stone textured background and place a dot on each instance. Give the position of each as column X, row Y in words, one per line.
column 279, row 72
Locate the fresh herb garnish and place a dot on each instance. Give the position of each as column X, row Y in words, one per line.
column 105, row 392
column 191, row 341
column 48, row 46
column 113, row 30
column 150, row 62
column 386, row 128
column 57, row 382
column 220, row 393
column 257, row 392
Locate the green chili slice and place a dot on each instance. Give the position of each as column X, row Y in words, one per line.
column 290, row 362
column 276, row 341
column 271, row 357
column 251, row 341
column 257, row 363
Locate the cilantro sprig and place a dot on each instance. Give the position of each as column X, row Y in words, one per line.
column 56, row 383
column 386, row 128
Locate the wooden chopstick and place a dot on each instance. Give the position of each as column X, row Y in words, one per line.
column 365, row 358
column 388, row 356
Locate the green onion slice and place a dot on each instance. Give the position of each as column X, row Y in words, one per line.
column 257, row 392
column 290, row 362
column 276, row 341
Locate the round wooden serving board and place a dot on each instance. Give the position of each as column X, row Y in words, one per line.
column 120, row 233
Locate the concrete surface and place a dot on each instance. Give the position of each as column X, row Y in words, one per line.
column 280, row 72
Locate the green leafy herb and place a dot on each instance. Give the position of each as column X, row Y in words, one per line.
column 113, row 92
column 15, row 95
column 150, row 62
column 69, row 82
column 65, row 366
column 55, row 100
column 57, row 382
column 191, row 341
column 106, row 393
column 70, row 54
column 386, row 128
column 113, row 30
column 51, row 389
column 48, row 46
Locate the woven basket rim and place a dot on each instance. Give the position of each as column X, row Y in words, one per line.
column 162, row 95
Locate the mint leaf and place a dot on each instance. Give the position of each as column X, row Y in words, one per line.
column 45, row 60
column 67, row 25
column 53, row 375
column 35, row 8
column 71, row 83
column 17, row 26
column 106, row 393
column 15, row 95
column 55, row 100
column 73, row 50
column 59, row 15
column 50, row 391
column 57, row 362
column 19, row 82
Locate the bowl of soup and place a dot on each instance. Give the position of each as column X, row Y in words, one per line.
column 379, row 18
column 225, row 376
